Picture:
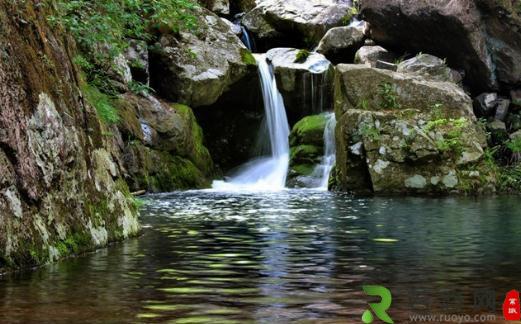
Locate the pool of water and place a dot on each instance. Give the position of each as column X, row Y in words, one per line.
column 293, row 256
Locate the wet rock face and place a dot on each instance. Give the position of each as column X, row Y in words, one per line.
column 304, row 19
column 307, row 148
column 56, row 197
column 161, row 145
column 400, row 133
column 480, row 37
column 304, row 80
column 196, row 68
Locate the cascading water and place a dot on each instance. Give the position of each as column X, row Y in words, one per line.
column 246, row 39
column 319, row 178
column 329, row 158
column 266, row 173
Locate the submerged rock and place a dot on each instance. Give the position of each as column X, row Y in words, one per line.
column 197, row 68
column 305, row 85
column 399, row 133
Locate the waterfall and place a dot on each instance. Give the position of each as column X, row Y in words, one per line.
column 246, row 39
column 266, row 173
column 329, row 158
column 319, row 178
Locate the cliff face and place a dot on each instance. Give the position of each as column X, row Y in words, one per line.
column 60, row 191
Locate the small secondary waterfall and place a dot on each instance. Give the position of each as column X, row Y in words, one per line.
column 266, row 173
column 246, row 39
column 329, row 158
column 319, row 178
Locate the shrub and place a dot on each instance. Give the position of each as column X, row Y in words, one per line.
column 102, row 103
column 101, row 28
column 302, row 56
column 388, row 96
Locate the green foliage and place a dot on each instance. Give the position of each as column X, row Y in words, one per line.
column 363, row 104
column 302, row 56
column 388, row 96
column 102, row 28
column 140, row 88
column 352, row 12
column 102, row 103
column 247, row 57
column 510, row 179
column 514, row 145
column 453, row 133
column 371, row 132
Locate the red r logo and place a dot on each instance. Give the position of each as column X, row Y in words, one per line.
column 511, row 309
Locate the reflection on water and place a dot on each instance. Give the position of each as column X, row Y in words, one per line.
column 281, row 257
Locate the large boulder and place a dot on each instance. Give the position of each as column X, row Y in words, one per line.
column 196, row 68
column 161, row 145
column 480, row 37
column 232, row 124
column 304, row 80
column 430, row 67
column 341, row 43
column 400, row 133
column 303, row 19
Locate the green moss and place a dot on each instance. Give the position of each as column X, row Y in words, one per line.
column 303, row 169
column 302, row 56
column 199, row 155
column 101, row 102
column 309, row 130
column 306, row 153
column 247, row 57
column 388, row 96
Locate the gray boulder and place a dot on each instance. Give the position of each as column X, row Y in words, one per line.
column 400, row 133
column 428, row 66
column 306, row 85
column 342, row 42
column 372, row 54
column 197, row 68
column 307, row 19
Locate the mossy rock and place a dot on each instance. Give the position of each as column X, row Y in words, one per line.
column 309, row 131
column 306, row 153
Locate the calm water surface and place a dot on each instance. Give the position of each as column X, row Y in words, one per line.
column 295, row 256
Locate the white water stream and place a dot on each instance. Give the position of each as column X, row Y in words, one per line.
column 266, row 173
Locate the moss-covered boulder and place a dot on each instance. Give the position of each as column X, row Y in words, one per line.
column 307, row 148
column 161, row 144
column 402, row 134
